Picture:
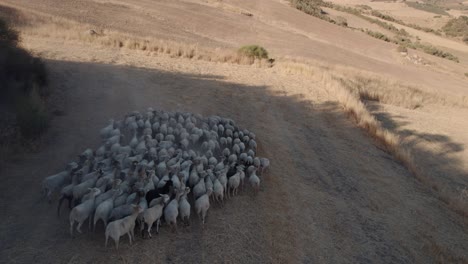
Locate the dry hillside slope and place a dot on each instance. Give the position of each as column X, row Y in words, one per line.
column 274, row 24
column 332, row 194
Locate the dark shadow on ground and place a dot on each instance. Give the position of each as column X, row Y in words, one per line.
column 326, row 198
column 440, row 166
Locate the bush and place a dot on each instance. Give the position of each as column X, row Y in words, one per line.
column 457, row 27
column 429, row 49
column 341, row 21
column 254, row 51
column 23, row 80
column 402, row 49
column 378, row 35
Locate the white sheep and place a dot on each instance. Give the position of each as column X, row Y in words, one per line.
column 184, row 207
column 218, row 191
column 254, row 180
column 54, row 183
column 154, row 213
column 264, row 164
column 172, row 211
column 104, row 209
column 202, row 205
column 234, row 181
column 83, row 211
column 123, row 226
column 199, row 189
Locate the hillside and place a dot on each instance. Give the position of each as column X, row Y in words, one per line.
column 337, row 191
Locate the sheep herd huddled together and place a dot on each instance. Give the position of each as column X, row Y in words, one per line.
column 155, row 166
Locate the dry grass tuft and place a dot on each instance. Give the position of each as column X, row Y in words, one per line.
column 60, row 28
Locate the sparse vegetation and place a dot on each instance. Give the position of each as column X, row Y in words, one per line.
column 313, row 8
column 383, row 16
column 428, row 8
column 23, row 82
column 466, row 74
column 378, row 35
column 429, row 49
column 350, row 92
column 402, row 49
column 341, row 21
column 365, row 7
column 71, row 31
column 457, row 27
column 254, row 51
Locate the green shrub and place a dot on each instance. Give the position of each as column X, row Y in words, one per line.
column 254, row 51
column 457, row 27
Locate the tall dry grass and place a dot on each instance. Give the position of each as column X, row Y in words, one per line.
column 60, row 28
column 350, row 97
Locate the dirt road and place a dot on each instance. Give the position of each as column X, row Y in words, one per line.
column 331, row 196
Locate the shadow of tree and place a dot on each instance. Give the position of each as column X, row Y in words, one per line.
column 434, row 153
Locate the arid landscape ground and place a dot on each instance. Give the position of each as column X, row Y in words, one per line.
column 367, row 144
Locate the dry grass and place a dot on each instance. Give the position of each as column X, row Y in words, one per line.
column 60, row 28
column 350, row 97
column 395, row 93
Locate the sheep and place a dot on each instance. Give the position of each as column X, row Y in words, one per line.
column 119, row 201
column 80, row 190
column 105, row 132
column 172, row 211
column 120, row 227
column 264, row 164
column 199, row 189
column 234, row 181
column 256, row 162
column 67, row 192
column 83, row 211
column 253, row 145
column 218, row 191
column 104, row 209
column 154, row 213
column 155, row 193
column 254, row 180
column 222, row 177
column 120, row 212
column 53, row 183
column 165, row 152
column 104, row 196
column 202, row 204
column 184, row 207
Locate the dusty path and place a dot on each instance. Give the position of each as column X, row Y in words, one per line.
column 331, row 195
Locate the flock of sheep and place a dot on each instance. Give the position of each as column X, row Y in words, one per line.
column 148, row 165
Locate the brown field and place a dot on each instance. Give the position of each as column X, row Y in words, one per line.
column 368, row 148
